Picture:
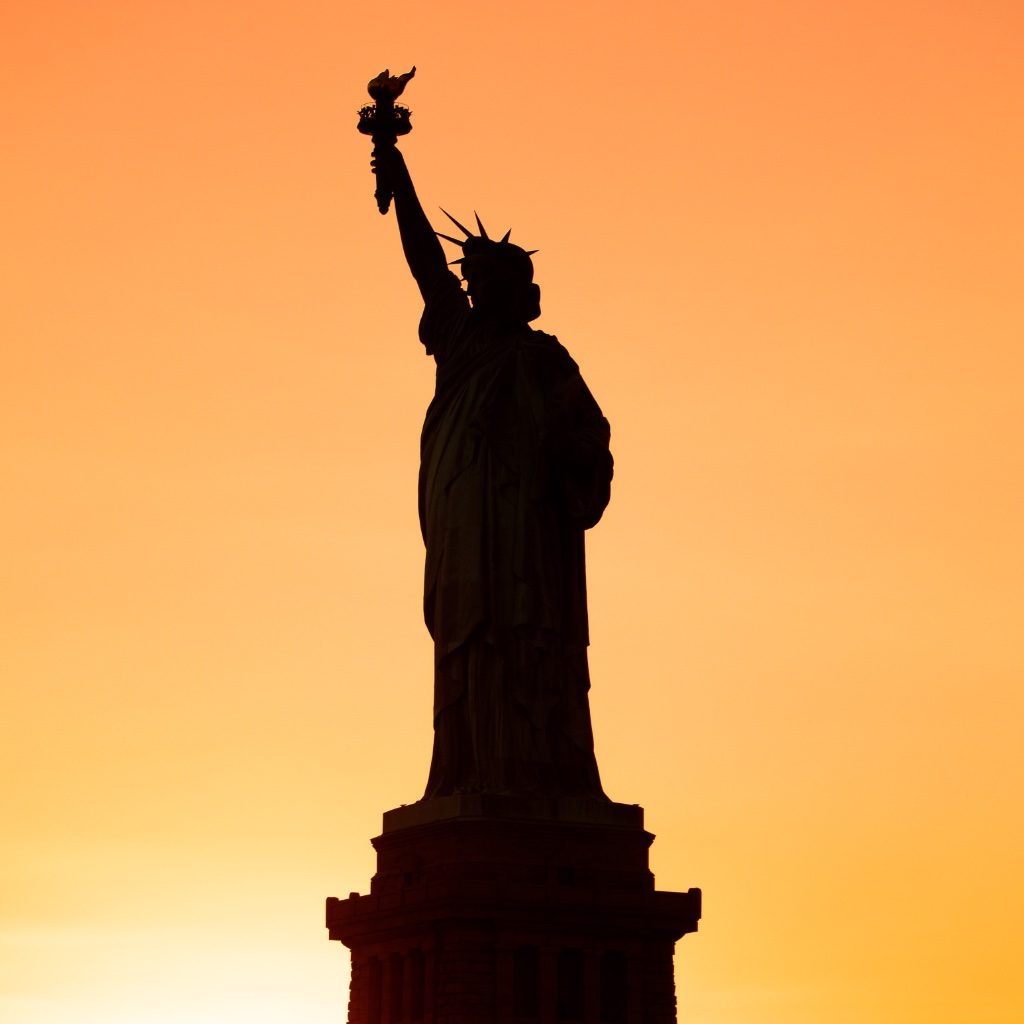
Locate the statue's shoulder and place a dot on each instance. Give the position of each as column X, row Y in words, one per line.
column 445, row 315
column 553, row 348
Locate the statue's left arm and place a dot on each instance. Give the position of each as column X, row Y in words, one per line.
column 578, row 447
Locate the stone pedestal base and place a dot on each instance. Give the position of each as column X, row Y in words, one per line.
column 493, row 910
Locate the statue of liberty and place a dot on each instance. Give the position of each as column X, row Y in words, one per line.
column 515, row 466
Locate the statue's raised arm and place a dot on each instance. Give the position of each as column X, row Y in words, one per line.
column 423, row 251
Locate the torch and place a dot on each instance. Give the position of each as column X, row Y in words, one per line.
column 384, row 120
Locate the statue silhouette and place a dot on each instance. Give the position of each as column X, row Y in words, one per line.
column 514, row 468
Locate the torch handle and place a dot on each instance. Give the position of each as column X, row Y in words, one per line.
column 384, row 192
column 383, row 195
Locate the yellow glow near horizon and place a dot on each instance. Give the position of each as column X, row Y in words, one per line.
column 782, row 241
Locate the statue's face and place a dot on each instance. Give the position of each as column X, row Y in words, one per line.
column 507, row 297
column 502, row 287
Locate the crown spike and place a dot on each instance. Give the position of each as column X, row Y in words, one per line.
column 479, row 224
column 462, row 228
column 532, row 251
column 448, row 238
column 504, row 241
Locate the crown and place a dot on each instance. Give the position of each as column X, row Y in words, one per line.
column 481, row 245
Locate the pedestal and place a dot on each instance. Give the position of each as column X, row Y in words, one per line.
column 497, row 910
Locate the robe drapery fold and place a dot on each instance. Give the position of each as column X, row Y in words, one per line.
column 514, row 467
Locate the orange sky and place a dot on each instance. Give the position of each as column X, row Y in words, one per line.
column 783, row 241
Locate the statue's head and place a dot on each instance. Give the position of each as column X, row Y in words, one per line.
column 498, row 275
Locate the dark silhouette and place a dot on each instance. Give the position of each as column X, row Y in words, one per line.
column 515, row 891
column 514, row 467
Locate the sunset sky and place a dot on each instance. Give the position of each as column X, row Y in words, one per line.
column 782, row 239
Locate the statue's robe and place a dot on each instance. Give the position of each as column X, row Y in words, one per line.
column 514, row 467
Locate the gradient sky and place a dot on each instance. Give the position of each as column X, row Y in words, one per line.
column 783, row 241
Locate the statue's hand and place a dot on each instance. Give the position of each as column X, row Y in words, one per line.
column 385, row 156
column 388, row 164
